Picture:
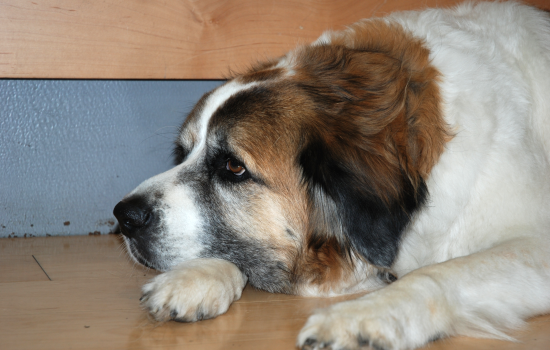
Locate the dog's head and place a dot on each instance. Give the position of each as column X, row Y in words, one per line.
column 303, row 172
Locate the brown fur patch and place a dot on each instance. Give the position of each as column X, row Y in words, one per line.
column 381, row 94
column 424, row 124
column 261, row 75
column 262, row 71
column 323, row 262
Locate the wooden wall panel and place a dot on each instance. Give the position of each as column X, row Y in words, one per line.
column 155, row 39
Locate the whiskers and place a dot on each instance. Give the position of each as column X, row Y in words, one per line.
column 131, row 256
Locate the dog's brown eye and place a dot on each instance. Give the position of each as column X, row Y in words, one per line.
column 235, row 168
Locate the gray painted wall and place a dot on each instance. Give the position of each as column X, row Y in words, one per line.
column 70, row 150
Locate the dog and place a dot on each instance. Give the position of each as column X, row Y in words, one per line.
column 406, row 156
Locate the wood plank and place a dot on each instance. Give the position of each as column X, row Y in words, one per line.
column 92, row 303
column 158, row 39
column 20, row 268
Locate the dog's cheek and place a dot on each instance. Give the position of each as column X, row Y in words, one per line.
column 253, row 236
column 256, row 259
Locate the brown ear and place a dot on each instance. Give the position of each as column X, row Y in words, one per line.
column 376, row 134
column 406, row 68
column 382, row 74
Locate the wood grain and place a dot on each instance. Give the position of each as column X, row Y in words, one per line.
column 155, row 39
column 92, row 303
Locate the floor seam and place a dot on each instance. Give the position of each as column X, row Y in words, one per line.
column 41, row 267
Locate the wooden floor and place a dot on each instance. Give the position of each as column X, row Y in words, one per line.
column 92, row 302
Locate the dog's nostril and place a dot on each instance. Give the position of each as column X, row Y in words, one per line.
column 136, row 218
column 132, row 215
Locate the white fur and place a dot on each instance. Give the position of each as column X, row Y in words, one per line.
column 181, row 238
column 476, row 260
column 201, row 288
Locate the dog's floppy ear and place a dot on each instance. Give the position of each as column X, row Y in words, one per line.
column 343, row 199
column 376, row 134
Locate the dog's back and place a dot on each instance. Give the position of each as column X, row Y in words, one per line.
column 495, row 64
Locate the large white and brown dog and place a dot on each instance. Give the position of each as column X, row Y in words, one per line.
column 408, row 155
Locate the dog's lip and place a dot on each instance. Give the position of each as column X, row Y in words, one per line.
column 134, row 251
column 145, row 263
column 125, row 233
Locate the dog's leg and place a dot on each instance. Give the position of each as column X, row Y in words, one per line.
column 483, row 294
column 194, row 290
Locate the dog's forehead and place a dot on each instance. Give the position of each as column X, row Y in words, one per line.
column 263, row 122
column 194, row 132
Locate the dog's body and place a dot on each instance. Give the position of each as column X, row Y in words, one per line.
column 415, row 146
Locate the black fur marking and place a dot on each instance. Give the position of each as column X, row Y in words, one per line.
column 290, row 233
column 387, row 276
column 436, row 337
column 241, row 106
column 372, row 227
column 144, row 296
column 200, row 313
column 325, row 344
column 362, row 342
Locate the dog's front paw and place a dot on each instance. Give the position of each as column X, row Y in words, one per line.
column 195, row 290
column 334, row 330
column 377, row 321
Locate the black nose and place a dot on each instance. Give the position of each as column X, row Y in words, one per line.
column 132, row 215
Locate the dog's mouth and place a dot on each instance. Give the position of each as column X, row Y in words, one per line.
column 135, row 254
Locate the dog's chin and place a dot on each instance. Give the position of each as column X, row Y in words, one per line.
column 146, row 263
column 140, row 258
